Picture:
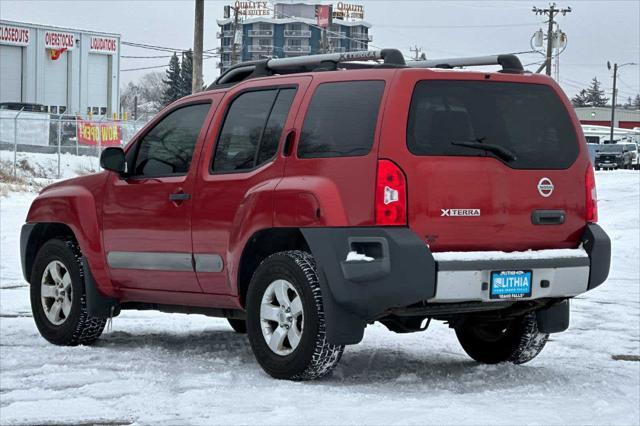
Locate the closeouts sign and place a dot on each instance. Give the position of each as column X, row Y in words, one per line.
column 59, row 40
column 16, row 36
column 105, row 45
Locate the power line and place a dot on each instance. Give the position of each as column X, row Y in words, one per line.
column 159, row 66
column 435, row 27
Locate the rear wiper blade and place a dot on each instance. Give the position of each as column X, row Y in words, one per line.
column 500, row 151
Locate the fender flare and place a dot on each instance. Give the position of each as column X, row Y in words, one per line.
column 402, row 273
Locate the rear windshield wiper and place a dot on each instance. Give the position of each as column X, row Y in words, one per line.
column 500, row 151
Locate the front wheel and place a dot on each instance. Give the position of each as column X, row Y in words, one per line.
column 58, row 299
column 285, row 318
column 517, row 340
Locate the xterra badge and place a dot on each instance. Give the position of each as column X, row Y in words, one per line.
column 460, row 212
column 545, row 187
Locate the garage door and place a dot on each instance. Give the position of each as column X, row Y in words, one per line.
column 55, row 80
column 10, row 73
column 98, row 81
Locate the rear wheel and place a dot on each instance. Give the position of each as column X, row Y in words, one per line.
column 285, row 319
column 517, row 340
column 58, row 299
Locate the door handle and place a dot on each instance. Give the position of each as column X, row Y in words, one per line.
column 179, row 196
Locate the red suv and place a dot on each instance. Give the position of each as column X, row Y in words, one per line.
column 304, row 198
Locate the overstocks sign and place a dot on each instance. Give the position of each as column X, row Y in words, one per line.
column 58, row 40
column 16, row 36
column 106, row 45
column 103, row 134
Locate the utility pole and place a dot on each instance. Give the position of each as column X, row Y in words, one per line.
column 419, row 55
column 614, row 93
column 198, row 35
column 551, row 12
column 234, row 54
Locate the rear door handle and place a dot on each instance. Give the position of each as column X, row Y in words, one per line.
column 179, row 196
column 548, row 217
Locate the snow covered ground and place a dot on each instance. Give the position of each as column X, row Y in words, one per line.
column 154, row 368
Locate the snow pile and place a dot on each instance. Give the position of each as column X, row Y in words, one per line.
column 155, row 368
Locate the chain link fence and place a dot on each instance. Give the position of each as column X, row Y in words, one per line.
column 25, row 135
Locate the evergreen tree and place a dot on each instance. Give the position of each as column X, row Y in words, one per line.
column 173, row 82
column 636, row 102
column 595, row 95
column 186, row 73
column 580, row 99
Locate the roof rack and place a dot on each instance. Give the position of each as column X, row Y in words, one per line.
column 353, row 60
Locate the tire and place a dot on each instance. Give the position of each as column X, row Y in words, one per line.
column 291, row 275
column 238, row 325
column 71, row 325
column 516, row 341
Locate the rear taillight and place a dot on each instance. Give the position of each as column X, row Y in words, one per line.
column 391, row 194
column 591, row 205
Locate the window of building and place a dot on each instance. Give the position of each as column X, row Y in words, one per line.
column 341, row 119
column 252, row 129
column 168, row 147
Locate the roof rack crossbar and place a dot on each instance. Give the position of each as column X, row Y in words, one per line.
column 509, row 63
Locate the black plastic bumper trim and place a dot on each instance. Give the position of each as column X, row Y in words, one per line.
column 598, row 245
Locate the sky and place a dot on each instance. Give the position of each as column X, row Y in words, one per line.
column 598, row 31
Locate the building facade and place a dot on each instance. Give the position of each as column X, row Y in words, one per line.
column 283, row 30
column 601, row 116
column 67, row 70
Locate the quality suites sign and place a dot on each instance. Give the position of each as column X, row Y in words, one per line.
column 59, row 40
column 106, row 45
column 16, row 36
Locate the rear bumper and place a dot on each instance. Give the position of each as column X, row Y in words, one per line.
column 405, row 272
column 465, row 277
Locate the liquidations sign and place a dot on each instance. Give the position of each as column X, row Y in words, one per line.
column 103, row 134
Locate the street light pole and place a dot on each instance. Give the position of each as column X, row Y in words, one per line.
column 613, row 94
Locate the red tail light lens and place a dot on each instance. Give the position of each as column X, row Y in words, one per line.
column 391, row 195
column 591, row 212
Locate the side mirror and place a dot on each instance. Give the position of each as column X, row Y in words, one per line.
column 113, row 159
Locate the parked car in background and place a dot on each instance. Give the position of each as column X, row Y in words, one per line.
column 616, row 156
column 635, row 162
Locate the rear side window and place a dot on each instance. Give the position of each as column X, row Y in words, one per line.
column 341, row 119
column 168, row 147
column 252, row 129
column 526, row 120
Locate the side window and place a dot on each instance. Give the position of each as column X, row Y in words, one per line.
column 252, row 129
column 168, row 147
column 341, row 119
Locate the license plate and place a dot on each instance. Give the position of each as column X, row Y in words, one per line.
column 510, row 284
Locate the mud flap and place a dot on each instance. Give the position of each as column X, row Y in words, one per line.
column 98, row 306
column 554, row 319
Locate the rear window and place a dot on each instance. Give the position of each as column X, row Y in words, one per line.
column 526, row 120
column 341, row 119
